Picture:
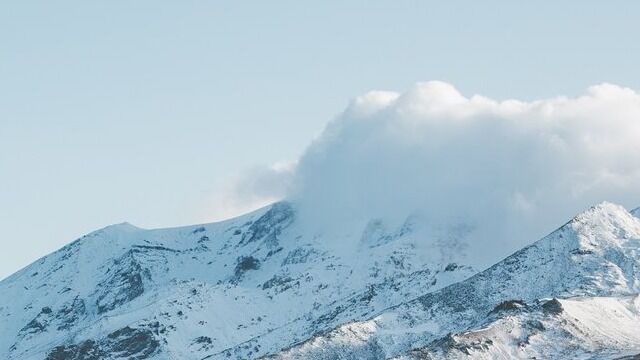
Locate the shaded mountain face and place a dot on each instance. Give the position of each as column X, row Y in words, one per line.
column 264, row 285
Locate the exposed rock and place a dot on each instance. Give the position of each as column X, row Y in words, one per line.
column 271, row 224
column 509, row 305
column 124, row 343
column 552, row 306
column 125, row 283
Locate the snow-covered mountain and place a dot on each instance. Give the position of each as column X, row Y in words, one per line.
column 265, row 285
column 572, row 294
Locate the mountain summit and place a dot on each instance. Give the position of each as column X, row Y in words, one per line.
column 264, row 285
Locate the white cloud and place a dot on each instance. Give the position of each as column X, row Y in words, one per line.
column 253, row 189
column 511, row 169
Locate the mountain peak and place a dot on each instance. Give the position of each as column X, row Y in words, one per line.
column 604, row 207
column 123, row 226
column 605, row 224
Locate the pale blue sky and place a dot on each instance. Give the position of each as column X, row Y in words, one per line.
column 141, row 111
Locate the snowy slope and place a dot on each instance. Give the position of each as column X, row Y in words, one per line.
column 511, row 310
column 265, row 285
column 243, row 288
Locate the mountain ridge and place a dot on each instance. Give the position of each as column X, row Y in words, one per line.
column 454, row 302
column 217, row 290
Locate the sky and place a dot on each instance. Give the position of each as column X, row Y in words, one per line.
column 152, row 112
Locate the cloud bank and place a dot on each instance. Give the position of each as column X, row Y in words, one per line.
column 253, row 189
column 512, row 170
